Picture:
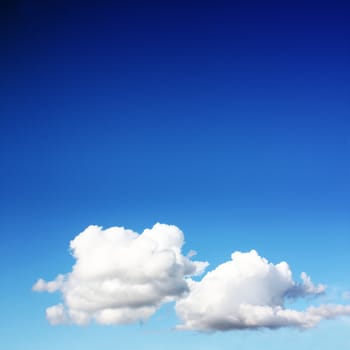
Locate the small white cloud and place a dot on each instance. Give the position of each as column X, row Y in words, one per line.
column 309, row 288
column 52, row 286
column 56, row 314
column 191, row 253
column 306, row 288
column 248, row 292
column 120, row 276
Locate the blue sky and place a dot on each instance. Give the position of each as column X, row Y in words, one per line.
column 229, row 120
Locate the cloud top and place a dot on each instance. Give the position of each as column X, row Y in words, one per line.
column 120, row 277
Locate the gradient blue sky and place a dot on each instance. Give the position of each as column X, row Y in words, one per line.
column 227, row 119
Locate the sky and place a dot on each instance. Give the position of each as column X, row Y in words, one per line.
column 225, row 122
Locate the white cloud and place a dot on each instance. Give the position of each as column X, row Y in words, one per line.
column 120, row 276
column 52, row 286
column 306, row 288
column 56, row 314
column 248, row 292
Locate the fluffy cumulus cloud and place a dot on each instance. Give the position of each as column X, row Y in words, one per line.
column 120, row 276
column 248, row 292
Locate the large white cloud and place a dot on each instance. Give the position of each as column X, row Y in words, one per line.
column 120, row 276
column 248, row 292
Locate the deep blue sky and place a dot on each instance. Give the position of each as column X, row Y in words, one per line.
column 227, row 119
